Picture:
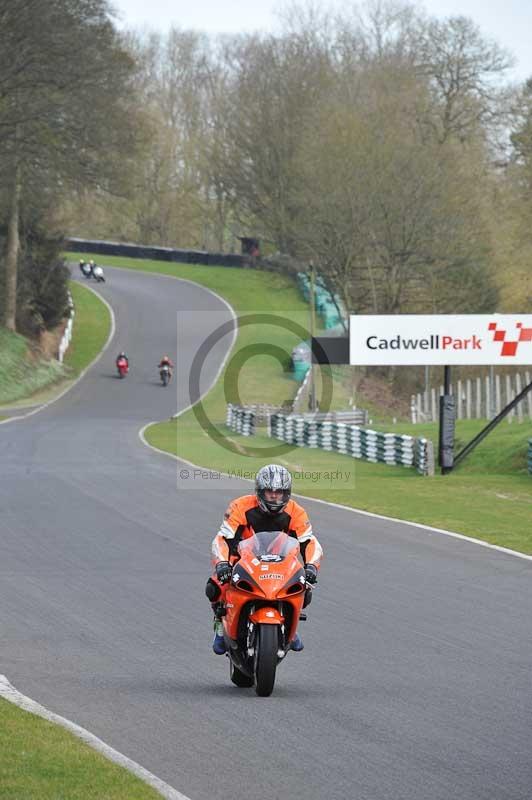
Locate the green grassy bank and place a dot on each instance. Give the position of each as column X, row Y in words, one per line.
column 22, row 373
column 42, row 761
column 489, row 497
column 92, row 325
column 25, row 380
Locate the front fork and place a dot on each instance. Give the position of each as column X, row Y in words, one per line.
column 251, row 635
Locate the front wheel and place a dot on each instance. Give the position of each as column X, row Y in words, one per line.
column 266, row 659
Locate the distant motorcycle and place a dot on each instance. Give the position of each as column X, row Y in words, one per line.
column 97, row 274
column 165, row 374
column 122, row 367
column 86, row 269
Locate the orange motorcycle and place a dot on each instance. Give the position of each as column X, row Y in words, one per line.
column 262, row 608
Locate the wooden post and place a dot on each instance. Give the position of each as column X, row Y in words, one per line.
column 488, row 402
column 518, row 389
column 498, row 394
column 312, row 393
column 459, row 414
column 468, row 399
column 509, row 397
column 479, row 398
column 528, row 378
column 433, row 416
column 413, row 409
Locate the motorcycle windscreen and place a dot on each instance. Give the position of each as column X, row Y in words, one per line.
column 269, row 546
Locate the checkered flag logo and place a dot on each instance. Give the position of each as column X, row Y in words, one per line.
column 509, row 346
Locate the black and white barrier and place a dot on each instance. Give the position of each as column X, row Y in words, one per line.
column 352, row 440
column 240, row 420
column 67, row 334
column 340, row 437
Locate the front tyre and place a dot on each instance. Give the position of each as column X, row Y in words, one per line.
column 266, row 659
column 238, row 677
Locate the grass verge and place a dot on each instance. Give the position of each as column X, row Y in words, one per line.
column 42, row 761
column 92, row 324
column 22, row 383
column 485, row 498
column 489, row 497
column 21, row 372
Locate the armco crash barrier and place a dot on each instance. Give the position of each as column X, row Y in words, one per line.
column 157, row 253
column 328, row 306
column 341, row 437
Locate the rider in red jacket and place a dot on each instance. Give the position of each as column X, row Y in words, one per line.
column 166, row 362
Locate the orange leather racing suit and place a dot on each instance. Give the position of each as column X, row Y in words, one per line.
column 244, row 517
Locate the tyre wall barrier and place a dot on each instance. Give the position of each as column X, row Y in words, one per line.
column 341, row 437
column 352, row 440
column 240, row 420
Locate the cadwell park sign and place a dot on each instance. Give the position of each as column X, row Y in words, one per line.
column 431, row 339
column 412, row 339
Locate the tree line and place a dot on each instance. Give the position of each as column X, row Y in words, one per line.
column 386, row 146
column 66, row 96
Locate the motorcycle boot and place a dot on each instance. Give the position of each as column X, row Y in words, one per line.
column 297, row 643
column 218, row 643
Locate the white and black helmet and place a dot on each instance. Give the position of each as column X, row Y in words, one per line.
column 273, row 477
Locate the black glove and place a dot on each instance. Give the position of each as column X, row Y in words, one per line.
column 223, row 571
column 311, row 574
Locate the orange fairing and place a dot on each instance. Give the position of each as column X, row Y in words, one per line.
column 266, row 616
column 267, row 584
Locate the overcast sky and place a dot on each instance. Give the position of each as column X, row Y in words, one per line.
column 509, row 22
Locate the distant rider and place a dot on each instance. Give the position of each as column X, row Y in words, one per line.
column 121, row 357
column 269, row 509
column 166, row 362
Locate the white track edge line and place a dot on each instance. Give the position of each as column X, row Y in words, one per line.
column 419, row 525
column 82, row 374
column 12, row 695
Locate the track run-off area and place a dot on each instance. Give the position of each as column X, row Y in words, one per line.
column 415, row 682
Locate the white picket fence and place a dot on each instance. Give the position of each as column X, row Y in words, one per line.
column 67, row 335
column 478, row 398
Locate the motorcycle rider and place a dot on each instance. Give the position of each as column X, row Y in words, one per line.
column 269, row 509
column 166, row 362
column 97, row 272
column 122, row 356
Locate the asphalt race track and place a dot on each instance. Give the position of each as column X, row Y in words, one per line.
column 415, row 681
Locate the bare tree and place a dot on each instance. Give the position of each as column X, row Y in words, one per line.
column 465, row 71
